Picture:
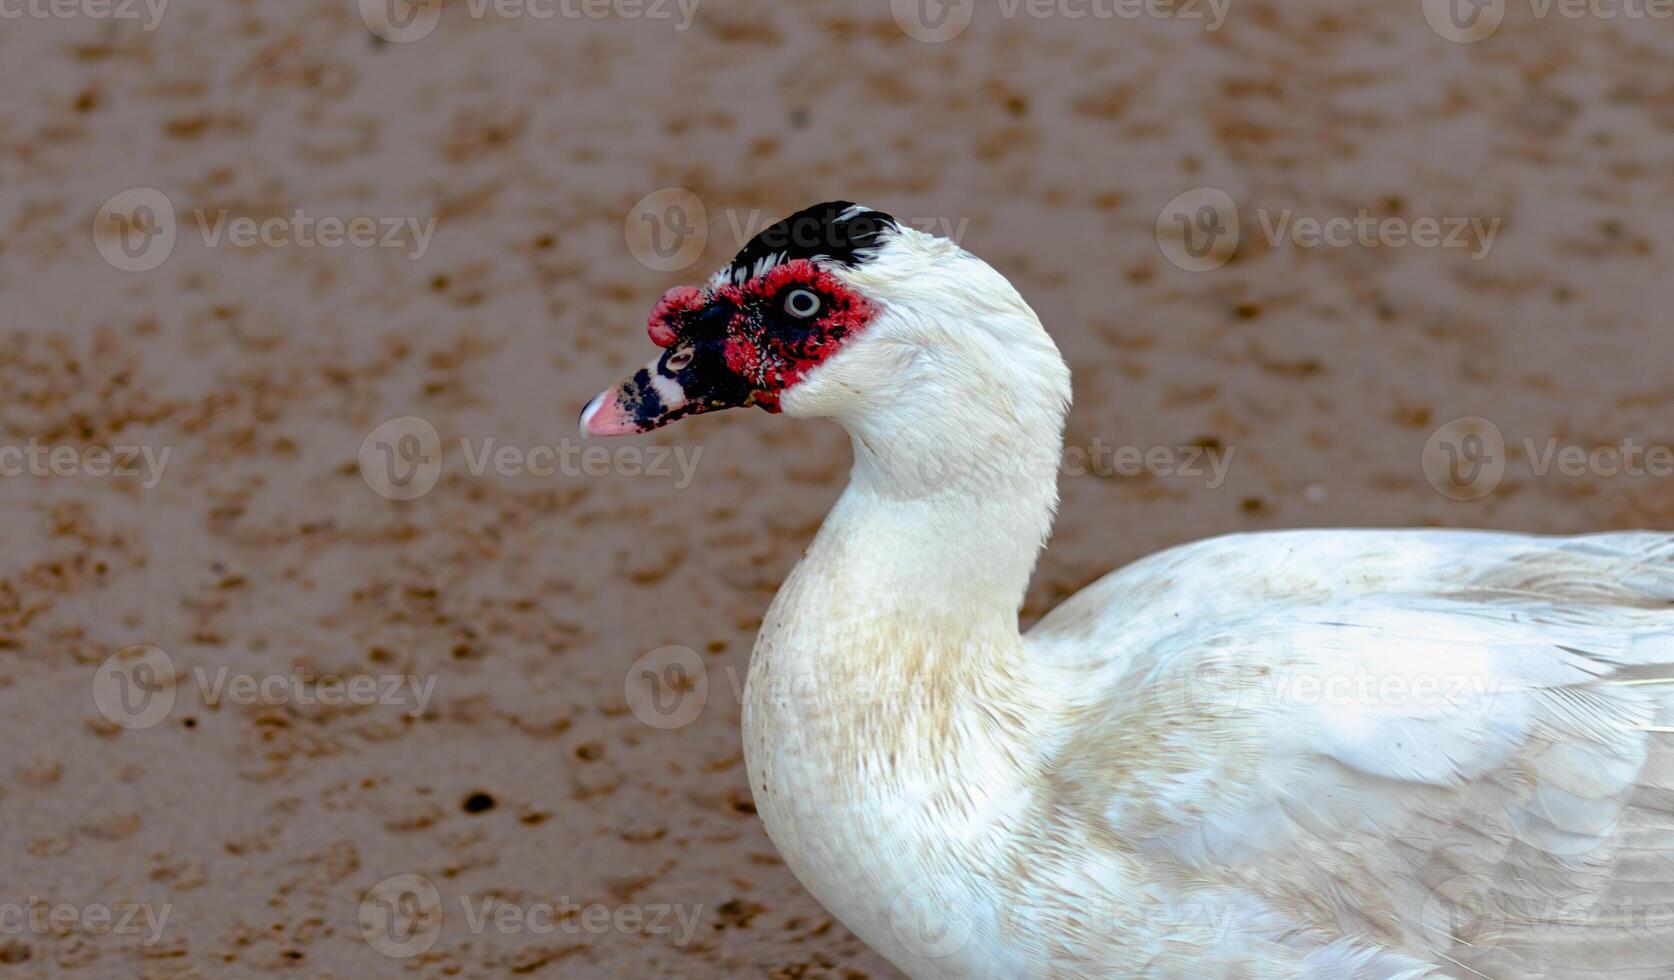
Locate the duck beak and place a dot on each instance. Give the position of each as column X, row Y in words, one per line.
column 604, row 416
column 694, row 372
column 636, row 405
column 671, row 387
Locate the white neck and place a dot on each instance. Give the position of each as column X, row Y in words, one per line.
column 956, row 531
column 880, row 671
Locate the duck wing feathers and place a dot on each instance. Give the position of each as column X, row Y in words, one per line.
column 1452, row 746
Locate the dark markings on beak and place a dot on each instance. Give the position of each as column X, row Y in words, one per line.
column 647, row 404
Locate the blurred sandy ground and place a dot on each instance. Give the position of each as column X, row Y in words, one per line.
column 1053, row 143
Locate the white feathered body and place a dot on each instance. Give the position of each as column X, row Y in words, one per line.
column 1305, row 754
column 1325, row 753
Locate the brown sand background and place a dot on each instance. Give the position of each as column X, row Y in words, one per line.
column 527, row 599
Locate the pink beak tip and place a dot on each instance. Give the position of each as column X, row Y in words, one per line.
column 603, row 416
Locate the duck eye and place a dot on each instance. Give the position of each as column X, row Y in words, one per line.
column 680, row 359
column 802, row 303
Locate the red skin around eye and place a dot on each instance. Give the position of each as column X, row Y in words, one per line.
column 773, row 362
column 758, row 348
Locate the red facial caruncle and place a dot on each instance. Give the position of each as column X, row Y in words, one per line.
column 776, row 345
column 771, row 330
column 778, row 311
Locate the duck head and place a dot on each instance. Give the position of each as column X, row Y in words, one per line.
column 779, row 310
column 842, row 312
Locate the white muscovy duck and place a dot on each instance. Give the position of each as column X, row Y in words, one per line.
column 1297, row 754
